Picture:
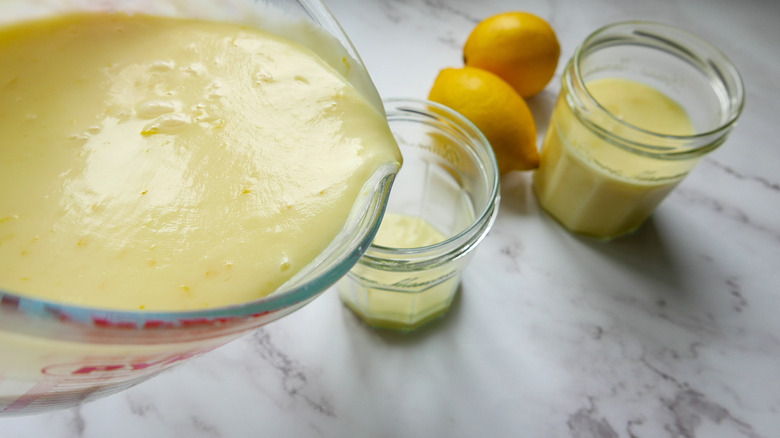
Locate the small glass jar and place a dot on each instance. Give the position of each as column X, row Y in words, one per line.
column 602, row 173
column 449, row 180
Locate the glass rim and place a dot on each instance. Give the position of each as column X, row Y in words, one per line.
column 648, row 34
column 460, row 243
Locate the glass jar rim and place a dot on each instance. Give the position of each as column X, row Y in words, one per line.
column 664, row 36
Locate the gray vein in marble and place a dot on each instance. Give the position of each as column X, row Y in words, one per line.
column 77, row 424
column 696, row 197
column 437, row 10
column 513, row 251
column 586, row 423
column 140, row 409
column 655, row 366
column 690, row 408
column 630, row 427
column 764, row 182
column 294, row 380
column 204, row 428
column 433, row 8
column 705, row 324
column 451, row 42
column 683, row 413
column 446, row 6
column 597, row 332
column 391, row 13
column 666, row 377
column 736, row 292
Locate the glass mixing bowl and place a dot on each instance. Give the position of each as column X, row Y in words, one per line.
column 56, row 355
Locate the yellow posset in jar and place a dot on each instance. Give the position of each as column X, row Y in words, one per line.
column 595, row 188
column 638, row 109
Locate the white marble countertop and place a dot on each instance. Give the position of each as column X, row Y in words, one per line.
column 670, row 332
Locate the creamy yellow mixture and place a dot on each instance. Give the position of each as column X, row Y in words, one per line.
column 157, row 163
column 595, row 188
column 401, row 298
column 404, row 231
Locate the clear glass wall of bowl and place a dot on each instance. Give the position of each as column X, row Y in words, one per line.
column 55, row 355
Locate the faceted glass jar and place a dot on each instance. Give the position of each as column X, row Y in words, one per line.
column 450, row 180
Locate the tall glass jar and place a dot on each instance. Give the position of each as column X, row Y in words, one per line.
column 606, row 165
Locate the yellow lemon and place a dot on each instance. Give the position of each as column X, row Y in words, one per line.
column 496, row 109
column 519, row 47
